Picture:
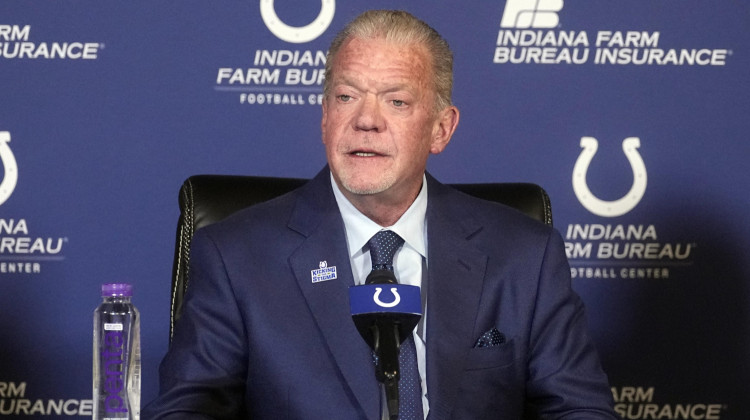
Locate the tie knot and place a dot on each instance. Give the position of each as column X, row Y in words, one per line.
column 383, row 246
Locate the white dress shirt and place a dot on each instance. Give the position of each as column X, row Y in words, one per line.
column 407, row 263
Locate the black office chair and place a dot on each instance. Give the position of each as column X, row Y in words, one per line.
column 206, row 199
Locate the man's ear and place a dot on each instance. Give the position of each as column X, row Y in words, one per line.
column 324, row 116
column 445, row 126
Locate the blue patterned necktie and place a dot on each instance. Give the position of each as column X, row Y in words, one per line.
column 383, row 246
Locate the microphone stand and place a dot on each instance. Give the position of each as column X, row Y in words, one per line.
column 387, row 369
column 385, row 332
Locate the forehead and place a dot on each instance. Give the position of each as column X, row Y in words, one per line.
column 382, row 58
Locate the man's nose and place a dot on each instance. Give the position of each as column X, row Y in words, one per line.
column 369, row 116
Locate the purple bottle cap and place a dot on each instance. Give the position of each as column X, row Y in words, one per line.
column 117, row 289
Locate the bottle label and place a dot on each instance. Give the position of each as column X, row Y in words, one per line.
column 113, row 327
column 113, row 365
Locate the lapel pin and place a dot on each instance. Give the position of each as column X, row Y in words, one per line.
column 324, row 273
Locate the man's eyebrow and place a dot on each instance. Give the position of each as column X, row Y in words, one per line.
column 399, row 87
column 343, row 80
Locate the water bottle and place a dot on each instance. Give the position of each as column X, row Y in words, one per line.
column 117, row 355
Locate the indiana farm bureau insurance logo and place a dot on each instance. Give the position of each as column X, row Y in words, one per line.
column 290, row 76
column 16, row 43
column 18, row 402
column 22, row 251
column 641, row 403
column 607, row 249
column 531, row 32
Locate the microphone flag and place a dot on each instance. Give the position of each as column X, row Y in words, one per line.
column 400, row 303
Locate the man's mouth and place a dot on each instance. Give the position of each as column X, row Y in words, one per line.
column 365, row 154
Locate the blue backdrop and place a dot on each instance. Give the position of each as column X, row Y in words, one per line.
column 106, row 107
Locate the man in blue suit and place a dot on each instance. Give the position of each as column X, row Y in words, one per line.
column 503, row 337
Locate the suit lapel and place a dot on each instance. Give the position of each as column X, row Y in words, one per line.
column 316, row 216
column 456, row 273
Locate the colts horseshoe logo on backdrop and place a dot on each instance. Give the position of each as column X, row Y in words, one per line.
column 297, row 34
column 11, row 168
column 380, row 303
column 609, row 208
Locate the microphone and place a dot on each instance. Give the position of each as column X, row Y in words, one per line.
column 385, row 313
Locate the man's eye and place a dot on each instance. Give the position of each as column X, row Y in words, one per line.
column 398, row 103
column 344, row 98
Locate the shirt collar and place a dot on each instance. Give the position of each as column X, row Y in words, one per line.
column 359, row 228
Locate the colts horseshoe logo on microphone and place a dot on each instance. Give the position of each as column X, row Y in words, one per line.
column 380, row 303
column 609, row 208
column 11, row 168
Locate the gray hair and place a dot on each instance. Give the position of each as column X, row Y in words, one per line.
column 402, row 28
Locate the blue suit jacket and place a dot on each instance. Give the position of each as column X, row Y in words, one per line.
column 258, row 339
